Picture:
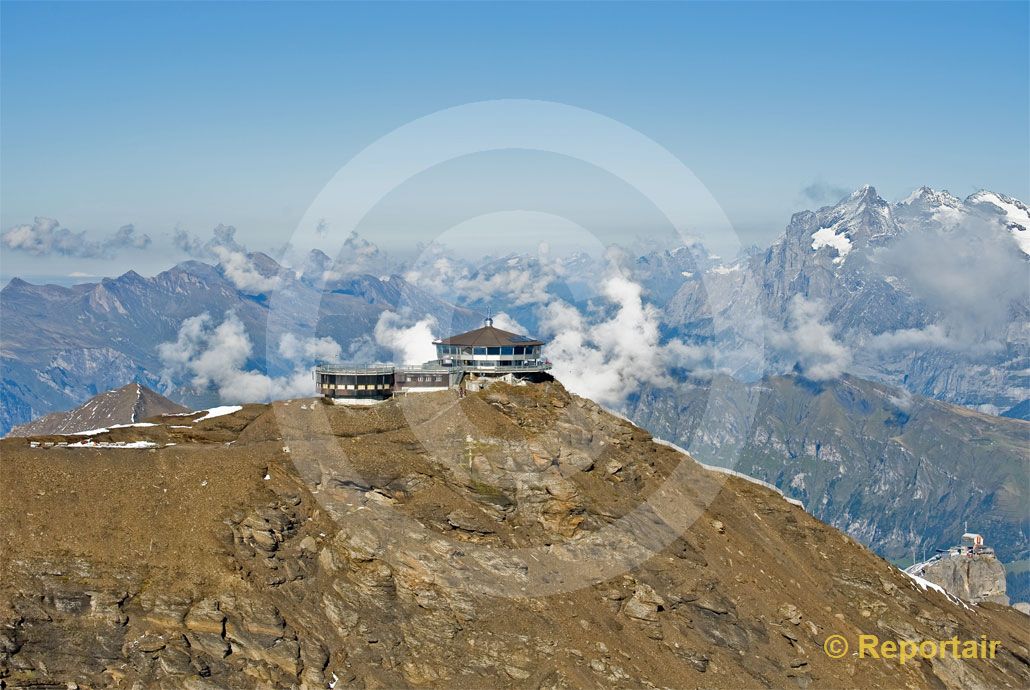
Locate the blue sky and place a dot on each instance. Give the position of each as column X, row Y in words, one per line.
column 191, row 115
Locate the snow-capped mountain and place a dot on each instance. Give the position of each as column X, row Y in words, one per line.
column 1012, row 212
column 930, row 293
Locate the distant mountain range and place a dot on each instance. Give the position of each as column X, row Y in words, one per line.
column 63, row 345
column 930, row 294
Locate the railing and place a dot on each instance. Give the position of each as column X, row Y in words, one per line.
column 540, row 366
column 356, row 369
column 378, row 369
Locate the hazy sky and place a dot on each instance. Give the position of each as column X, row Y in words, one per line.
column 194, row 114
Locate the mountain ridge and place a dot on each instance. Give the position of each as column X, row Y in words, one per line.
column 374, row 551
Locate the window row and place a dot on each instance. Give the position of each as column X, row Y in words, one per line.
column 451, row 350
column 360, row 387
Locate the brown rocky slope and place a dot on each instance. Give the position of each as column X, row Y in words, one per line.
column 520, row 537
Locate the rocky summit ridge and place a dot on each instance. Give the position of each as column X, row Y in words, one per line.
column 129, row 404
column 518, row 537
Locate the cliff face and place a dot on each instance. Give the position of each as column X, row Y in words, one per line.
column 519, row 537
column 976, row 578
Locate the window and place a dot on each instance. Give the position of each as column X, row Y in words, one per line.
column 493, row 350
column 520, row 350
column 507, row 350
column 479, row 351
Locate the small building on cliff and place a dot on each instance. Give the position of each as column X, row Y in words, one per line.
column 465, row 360
column 970, row 571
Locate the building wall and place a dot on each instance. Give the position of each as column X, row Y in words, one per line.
column 350, row 385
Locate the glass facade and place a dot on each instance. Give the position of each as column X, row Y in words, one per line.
column 489, row 357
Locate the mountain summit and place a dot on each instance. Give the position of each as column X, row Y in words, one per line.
column 129, row 404
column 517, row 537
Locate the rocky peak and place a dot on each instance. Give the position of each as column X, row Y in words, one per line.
column 928, row 197
column 927, row 208
column 130, row 404
column 830, row 234
column 264, row 264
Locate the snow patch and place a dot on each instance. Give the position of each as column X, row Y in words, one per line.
column 828, row 237
column 116, row 444
column 105, row 429
column 926, row 584
column 91, row 432
column 220, row 411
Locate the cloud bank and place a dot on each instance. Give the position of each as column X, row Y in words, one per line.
column 215, row 356
column 968, row 277
column 47, row 237
column 810, row 341
column 410, row 344
column 609, row 355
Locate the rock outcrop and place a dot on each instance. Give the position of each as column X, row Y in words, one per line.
column 519, row 537
column 972, row 577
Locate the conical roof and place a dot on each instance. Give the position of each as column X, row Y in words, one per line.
column 488, row 336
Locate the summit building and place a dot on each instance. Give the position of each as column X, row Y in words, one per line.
column 471, row 360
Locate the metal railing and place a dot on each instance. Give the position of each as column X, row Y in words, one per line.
column 379, row 369
column 355, row 369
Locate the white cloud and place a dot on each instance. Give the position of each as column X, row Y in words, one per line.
column 126, row 237
column 436, row 270
column 411, row 344
column 232, row 256
column 968, row 277
column 607, row 359
column 215, row 356
column 309, row 349
column 514, row 280
column 506, row 323
column 46, row 237
column 188, row 244
column 810, row 341
column 932, row 336
column 239, row 269
column 515, row 284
